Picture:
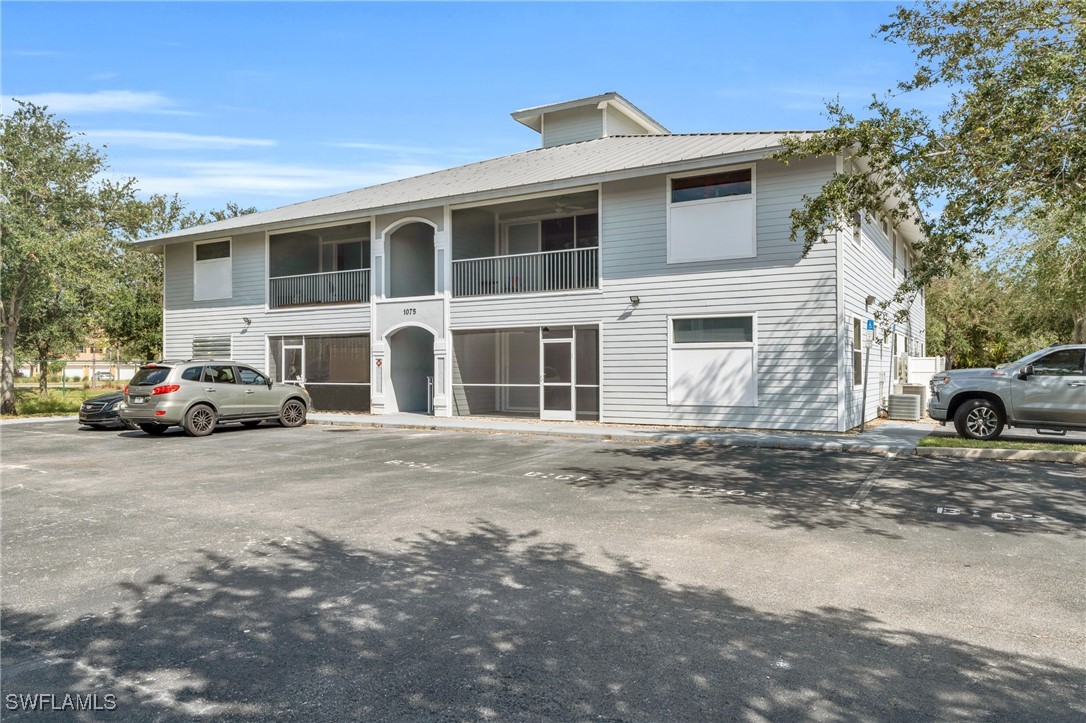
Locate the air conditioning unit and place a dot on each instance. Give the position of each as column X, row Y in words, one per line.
column 920, row 390
column 905, row 407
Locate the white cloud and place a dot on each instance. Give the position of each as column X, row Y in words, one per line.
column 224, row 179
column 385, row 147
column 33, row 53
column 104, row 101
column 166, row 140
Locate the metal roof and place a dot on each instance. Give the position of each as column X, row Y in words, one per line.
column 554, row 167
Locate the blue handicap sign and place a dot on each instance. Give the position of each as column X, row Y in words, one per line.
column 870, row 324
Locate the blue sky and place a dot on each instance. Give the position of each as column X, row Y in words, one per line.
column 266, row 104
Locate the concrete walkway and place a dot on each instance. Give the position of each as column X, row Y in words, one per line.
column 897, row 437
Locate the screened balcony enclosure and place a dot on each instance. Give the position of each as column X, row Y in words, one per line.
column 319, row 266
column 524, row 247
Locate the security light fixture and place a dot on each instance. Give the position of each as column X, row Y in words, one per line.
column 869, row 300
column 635, row 300
column 247, row 320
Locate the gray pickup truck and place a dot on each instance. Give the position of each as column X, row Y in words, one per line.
column 1045, row 390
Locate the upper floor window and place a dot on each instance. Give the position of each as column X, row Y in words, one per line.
column 212, row 271
column 711, row 216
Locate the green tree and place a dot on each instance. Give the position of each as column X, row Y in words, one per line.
column 1052, row 274
column 56, row 223
column 132, row 320
column 1010, row 140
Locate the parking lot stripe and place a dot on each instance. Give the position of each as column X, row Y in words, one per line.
column 865, row 488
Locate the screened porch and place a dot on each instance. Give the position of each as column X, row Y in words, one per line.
column 319, row 266
column 525, row 247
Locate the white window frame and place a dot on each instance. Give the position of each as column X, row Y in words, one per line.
column 857, row 326
column 196, row 265
column 752, row 345
column 752, row 199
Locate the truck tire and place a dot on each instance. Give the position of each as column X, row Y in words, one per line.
column 978, row 419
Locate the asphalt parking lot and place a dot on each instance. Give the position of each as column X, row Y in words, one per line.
column 335, row 573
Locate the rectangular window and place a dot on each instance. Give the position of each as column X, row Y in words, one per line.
column 213, row 250
column 723, row 329
column 211, row 271
column 211, row 347
column 857, row 353
column 712, row 361
column 714, row 185
column 711, row 216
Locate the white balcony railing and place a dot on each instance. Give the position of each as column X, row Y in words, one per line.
column 332, row 287
column 527, row 273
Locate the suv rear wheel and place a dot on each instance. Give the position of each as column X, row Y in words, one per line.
column 199, row 421
column 292, row 414
column 978, row 419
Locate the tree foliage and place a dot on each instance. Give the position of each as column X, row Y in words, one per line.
column 1050, row 272
column 57, row 219
column 1010, row 141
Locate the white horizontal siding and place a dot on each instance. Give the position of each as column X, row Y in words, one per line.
column 868, row 270
column 572, row 126
column 621, row 124
column 249, row 343
column 247, row 274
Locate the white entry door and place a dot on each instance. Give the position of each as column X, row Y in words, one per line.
column 556, row 350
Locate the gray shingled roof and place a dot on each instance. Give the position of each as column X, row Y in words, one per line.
column 587, row 161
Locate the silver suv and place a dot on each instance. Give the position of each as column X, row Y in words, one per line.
column 198, row 394
column 1045, row 390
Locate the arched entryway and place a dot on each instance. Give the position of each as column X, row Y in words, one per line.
column 411, row 260
column 410, row 367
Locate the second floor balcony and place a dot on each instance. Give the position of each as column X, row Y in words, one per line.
column 565, row 270
column 332, row 287
column 312, row 267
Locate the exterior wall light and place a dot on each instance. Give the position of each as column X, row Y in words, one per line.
column 635, row 300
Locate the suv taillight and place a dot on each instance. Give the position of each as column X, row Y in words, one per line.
column 165, row 389
column 126, row 390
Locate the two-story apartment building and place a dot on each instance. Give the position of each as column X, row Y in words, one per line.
column 618, row 272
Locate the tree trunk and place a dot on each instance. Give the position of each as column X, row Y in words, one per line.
column 7, row 375
column 1079, row 334
column 43, row 378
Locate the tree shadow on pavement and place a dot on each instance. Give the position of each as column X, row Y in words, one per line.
column 491, row 624
column 815, row 489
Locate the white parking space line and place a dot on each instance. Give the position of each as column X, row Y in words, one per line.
column 869, row 483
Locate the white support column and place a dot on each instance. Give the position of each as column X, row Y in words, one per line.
column 443, row 345
column 378, row 376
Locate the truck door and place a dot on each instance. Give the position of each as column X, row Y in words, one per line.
column 1055, row 391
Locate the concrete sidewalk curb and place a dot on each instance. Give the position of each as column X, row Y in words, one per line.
column 762, row 441
column 32, row 420
column 767, row 440
column 1007, row 455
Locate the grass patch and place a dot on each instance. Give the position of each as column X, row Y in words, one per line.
column 939, row 441
column 56, row 401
